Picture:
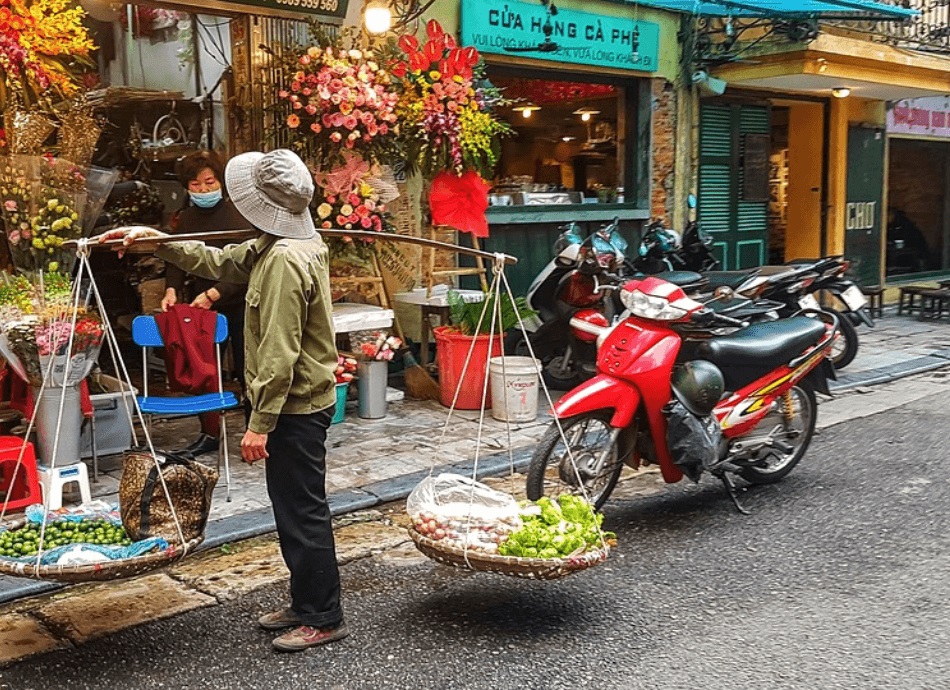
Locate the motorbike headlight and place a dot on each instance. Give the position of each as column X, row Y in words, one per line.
column 650, row 307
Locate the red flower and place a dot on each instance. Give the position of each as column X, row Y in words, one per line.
column 399, row 70
column 418, row 62
column 409, row 43
column 434, row 30
column 432, row 51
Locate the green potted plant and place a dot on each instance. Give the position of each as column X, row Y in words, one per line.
column 454, row 342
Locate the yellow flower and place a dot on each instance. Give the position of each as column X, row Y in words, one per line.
column 324, row 210
column 346, row 210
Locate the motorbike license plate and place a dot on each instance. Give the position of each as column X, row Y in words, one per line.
column 854, row 298
column 809, row 302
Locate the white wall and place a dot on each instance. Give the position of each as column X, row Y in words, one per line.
column 141, row 63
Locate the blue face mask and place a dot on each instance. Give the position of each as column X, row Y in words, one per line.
column 205, row 199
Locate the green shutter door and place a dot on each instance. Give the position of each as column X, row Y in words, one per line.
column 739, row 228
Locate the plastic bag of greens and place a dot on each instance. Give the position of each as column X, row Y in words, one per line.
column 463, row 512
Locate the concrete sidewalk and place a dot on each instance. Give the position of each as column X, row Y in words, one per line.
column 372, row 462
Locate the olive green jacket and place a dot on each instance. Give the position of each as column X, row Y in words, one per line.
column 290, row 345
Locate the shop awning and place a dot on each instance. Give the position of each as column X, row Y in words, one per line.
column 858, row 9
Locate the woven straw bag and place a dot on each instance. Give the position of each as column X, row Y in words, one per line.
column 144, row 505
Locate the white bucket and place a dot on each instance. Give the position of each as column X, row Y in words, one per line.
column 514, row 388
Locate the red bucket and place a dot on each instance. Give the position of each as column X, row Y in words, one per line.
column 451, row 350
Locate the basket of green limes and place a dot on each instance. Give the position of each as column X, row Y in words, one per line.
column 81, row 550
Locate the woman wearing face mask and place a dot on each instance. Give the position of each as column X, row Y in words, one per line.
column 208, row 210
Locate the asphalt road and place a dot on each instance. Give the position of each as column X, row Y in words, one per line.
column 837, row 580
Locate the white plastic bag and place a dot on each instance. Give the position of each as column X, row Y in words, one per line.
column 463, row 512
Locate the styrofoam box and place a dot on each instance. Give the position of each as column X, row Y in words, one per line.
column 113, row 431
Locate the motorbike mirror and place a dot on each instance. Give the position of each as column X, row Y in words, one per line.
column 724, row 294
column 691, row 201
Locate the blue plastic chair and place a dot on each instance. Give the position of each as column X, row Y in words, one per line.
column 145, row 334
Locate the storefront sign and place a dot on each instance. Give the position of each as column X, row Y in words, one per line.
column 862, row 211
column 580, row 37
column 922, row 116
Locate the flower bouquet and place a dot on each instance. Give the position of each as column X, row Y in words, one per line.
column 45, row 201
column 445, row 108
column 47, row 340
column 37, row 334
column 379, row 347
column 340, row 100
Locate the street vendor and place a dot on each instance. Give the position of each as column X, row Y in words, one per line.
column 291, row 359
column 207, row 210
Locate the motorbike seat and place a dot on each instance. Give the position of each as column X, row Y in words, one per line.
column 680, row 278
column 753, row 351
column 729, row 279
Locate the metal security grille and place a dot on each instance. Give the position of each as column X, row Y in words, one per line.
column 928, row 31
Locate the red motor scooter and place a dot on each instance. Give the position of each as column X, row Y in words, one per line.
column 744, row 404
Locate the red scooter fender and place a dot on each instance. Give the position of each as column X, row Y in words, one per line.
column 605, row 392
column 601, row 393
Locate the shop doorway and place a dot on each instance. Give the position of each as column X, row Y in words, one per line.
column 761, row 181
column 918, row 210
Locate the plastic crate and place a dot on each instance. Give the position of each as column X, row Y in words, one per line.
column 113, row 431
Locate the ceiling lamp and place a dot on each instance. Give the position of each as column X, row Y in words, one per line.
column 378, row 17
column 526, row 110
column 841, row 92
column 586, row 113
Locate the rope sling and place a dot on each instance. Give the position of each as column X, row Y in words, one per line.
column 465, row 556
column 34, row 567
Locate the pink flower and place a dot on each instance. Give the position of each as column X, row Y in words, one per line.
column 340, row 220
column 366, row 223
column 353, row 199
column 326, row 224
column 283, row 93
column 336, row 137
column 14, row 236
column 311, row 109
column 370, row 205
column 10, row 205
column 367, row 119
column 383, row 129
column 337, row 120
column 350, row 122
column 304, row 59
column 306, row 91
column 353, row 218
column 316, row 128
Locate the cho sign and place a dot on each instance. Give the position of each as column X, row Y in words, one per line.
column 582, row 37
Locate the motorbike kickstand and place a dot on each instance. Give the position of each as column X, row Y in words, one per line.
column 726, row 479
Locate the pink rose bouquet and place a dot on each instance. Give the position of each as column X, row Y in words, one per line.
column 341, row 100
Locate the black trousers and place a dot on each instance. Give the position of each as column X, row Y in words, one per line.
column 296, row 483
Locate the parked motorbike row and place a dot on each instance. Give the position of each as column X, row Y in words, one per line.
column 672, row 363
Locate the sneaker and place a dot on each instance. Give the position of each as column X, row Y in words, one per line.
column 306, row 637
column 278, row 620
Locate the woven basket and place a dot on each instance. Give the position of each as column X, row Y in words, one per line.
column 514, row 566
column 96, row 572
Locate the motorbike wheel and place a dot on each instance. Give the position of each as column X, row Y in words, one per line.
column 516, row 344
column 775, row 467
column 551, row 471
column 559, row 380
column 845, row 347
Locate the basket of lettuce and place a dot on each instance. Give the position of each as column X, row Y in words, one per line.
column 459, row 522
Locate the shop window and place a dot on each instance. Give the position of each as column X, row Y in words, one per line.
column 569, row 143
column 918, row 223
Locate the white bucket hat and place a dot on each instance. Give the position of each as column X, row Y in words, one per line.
column 273, row 191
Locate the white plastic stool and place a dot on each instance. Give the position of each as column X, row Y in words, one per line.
column 53, row 479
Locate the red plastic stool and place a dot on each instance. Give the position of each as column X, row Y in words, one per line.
column 26, row 489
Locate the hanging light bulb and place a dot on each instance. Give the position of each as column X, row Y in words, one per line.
column 526, row 110
column 378, row 17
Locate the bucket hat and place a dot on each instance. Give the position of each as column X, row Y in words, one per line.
column 273, row 191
